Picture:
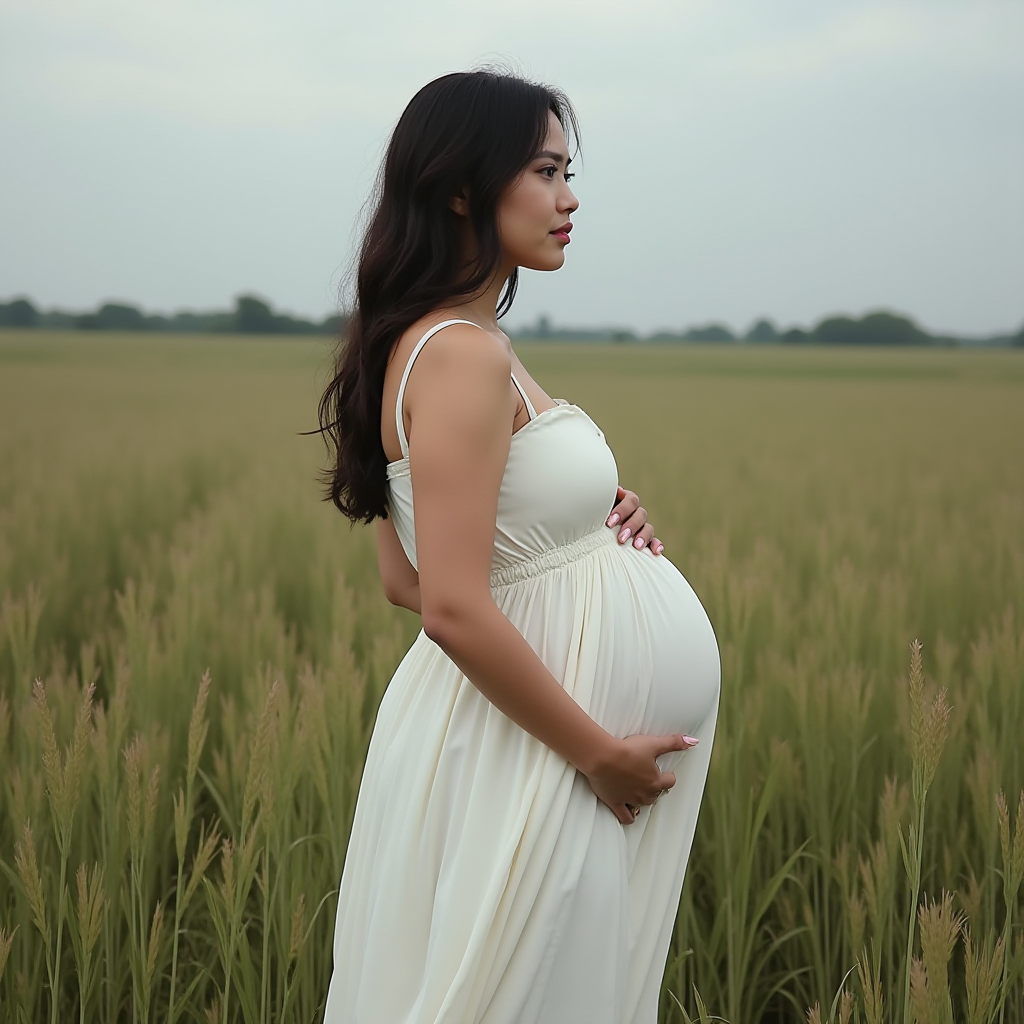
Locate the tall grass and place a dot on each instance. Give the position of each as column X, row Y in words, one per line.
column 192, row 650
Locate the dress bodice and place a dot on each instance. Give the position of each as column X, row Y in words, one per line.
column 558, row 487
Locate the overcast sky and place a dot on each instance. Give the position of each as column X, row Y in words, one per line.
column 787, row 158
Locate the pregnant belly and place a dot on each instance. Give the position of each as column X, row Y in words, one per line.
column 685, row 666
column 666, row 671
column 626, row 635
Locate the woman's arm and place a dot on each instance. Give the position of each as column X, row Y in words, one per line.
column 400, row 579
column 402, row 582
column 459, row 400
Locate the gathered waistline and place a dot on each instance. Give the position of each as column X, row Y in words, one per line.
column 553, row 558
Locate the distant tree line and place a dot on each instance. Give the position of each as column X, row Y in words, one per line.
column 881, row 328
column 251, row 315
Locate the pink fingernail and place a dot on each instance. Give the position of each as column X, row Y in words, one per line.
column 624, row 536
column 692, row 740
column 639, row 542
column 613, row 518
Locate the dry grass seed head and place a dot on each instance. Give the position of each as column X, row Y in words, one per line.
column 858, row 920
column 1003, row 818
column 213, row 1011
column 258, row 760
column 152, row 796
column 297, row 928
column 6, row 941
column 982, row 970
column 63, row 773
column 970, row 896
column 814, row 1014
column 845, row 1007
column 51, row 753
column 841, row 862
column 155, row 929
column 919, row 993
column 916, row 690
column 201, row 862
column 871, row 989
column 74, row 766
column 1013, row 852
column 936, row 726
column 873, row 882
column 27, row 867
column 198, row 726
column 892, row 807
column 91, row 905
column 227, row 865
column 940, row 928
column 181, row 823
column 133, row 771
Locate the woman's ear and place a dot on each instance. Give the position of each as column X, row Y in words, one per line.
column 459, row 203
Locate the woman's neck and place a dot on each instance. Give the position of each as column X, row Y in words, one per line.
column 482, row 308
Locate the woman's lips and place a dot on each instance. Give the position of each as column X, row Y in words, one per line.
column 562, row 233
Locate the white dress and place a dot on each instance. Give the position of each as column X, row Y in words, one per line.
column 484, row 882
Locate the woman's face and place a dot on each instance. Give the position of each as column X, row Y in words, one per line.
column 533, row 215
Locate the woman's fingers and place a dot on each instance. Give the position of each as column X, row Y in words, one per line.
column 633, row 779
column 669, row 744
column 643, row 536
column 629, row 517
column 621, row 811
column 633, row 525
column 626, row 504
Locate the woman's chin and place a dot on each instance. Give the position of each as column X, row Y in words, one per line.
column 547, row 261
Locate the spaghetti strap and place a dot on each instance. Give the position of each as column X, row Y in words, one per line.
column 399, row 418
column 529, row 405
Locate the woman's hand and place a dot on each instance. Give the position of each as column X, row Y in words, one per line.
column 631, row 520
column 630, row 777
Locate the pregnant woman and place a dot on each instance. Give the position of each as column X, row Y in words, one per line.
column 510, row 860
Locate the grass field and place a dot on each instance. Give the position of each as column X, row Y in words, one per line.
column 171, row 839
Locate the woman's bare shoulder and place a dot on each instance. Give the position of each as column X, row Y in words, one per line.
column 463, row 342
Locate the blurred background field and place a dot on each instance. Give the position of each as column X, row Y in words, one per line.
column 170, row 852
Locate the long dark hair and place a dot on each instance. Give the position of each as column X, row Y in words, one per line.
column 471, row 132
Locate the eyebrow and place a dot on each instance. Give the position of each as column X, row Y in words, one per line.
column 550, row 154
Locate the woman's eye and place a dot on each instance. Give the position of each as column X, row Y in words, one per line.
column 550, row 173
